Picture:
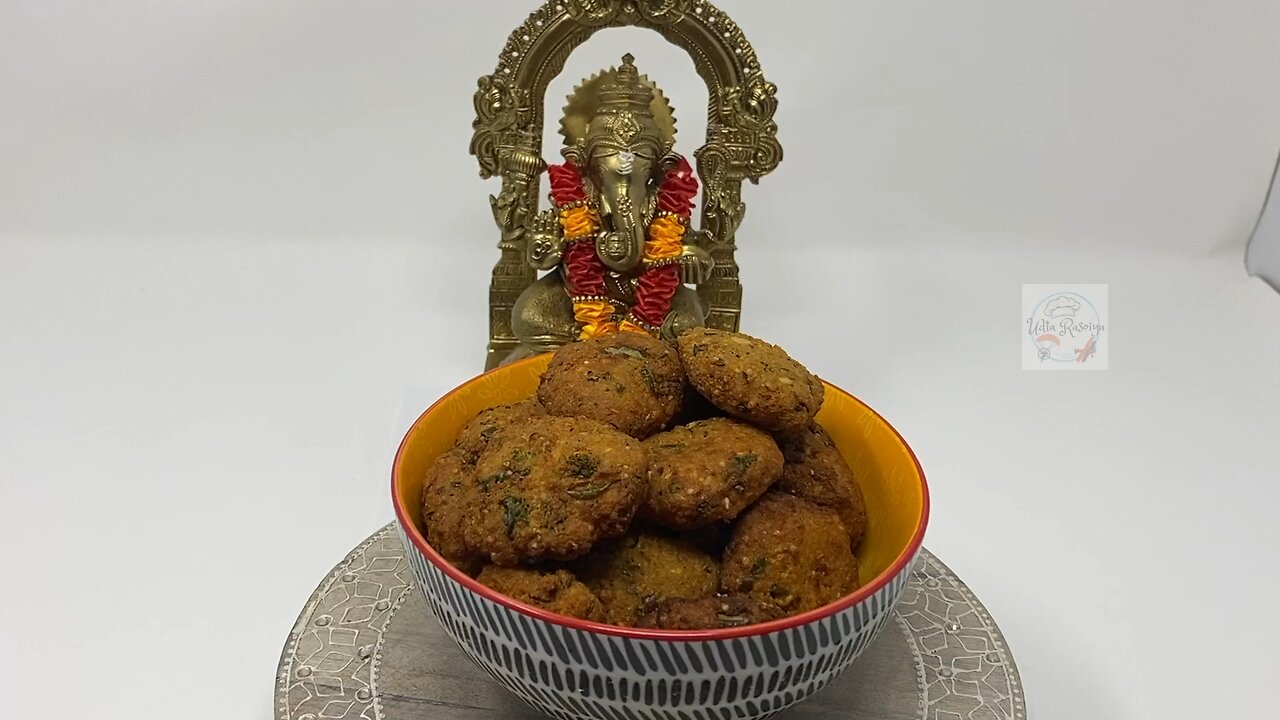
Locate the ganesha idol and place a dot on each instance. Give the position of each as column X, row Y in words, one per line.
column 615, row 245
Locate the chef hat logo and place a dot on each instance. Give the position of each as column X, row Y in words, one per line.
column 1061, row 306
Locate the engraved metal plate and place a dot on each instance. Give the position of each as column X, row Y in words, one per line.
column 365, row 646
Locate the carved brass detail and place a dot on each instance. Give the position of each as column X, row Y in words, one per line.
column 741, row 142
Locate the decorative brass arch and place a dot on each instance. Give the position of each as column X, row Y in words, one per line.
column 741, row 142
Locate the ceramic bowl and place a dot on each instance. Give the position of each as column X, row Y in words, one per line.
column 571, row 668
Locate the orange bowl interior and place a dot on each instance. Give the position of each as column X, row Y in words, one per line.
column 891, row 479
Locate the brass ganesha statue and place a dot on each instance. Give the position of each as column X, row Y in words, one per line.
column 617, row 250
column 603, row 243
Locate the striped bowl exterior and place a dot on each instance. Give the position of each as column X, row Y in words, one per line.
column 576, row 674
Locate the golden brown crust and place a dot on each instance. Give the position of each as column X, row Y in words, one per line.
column 790, row 553
column 551, row 487
column 633, row 573
column 750, row 378
column 716, row 611
column 477, row 434
column 555, row 590
column 630, row 381
column 448, row 495
column 816, row 471
column 546, row 488
column 708, row 471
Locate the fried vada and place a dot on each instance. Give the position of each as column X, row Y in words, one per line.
column 448, row 495
column 475, row 435
column 708, row 471
column 632, row 574
column 790, row 553
column 750, row 379
column 630, row 381
column 816, row 471
column 555, row 590
column 549, row 488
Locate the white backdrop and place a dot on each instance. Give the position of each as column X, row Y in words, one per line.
column 1264, row 245
column 242, row 245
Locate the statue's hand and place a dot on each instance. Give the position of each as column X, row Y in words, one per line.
column 695, row 265
column 618, row 250
column 546, row 241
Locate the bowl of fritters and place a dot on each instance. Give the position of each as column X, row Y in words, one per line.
column 641, row 529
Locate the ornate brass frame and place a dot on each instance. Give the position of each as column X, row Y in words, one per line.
column 741, row 142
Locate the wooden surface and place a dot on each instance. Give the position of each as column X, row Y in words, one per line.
column 366, row 646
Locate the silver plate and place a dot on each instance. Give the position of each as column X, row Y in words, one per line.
column 366, row 646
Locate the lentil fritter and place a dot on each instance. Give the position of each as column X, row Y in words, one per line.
column 790, row 553
column 675, row 486
column 750, row 379
column 555, row 590
column 708, row 471
column 630, row 381
column 549, row 488
column 635, row 572
column 447, row 497
column 816, row 471
column 477, row 434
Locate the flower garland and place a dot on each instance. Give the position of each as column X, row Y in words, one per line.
column 662, row 251
column 585, row 272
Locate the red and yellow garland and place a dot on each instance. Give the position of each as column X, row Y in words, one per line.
column 583, row 269
column 585, row 272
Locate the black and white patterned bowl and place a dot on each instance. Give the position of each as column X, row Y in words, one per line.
column 576, row 669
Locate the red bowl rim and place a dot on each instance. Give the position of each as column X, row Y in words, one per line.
column 899, row 565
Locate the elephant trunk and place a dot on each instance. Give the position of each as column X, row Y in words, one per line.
column 623, row 204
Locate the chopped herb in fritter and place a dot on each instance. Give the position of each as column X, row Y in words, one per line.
column 726, row 620
column 581, row 464
column 782, row 595
column 501, row 477
column 588, row 491
column 650, row 380
column 515, row 510
column 625, row 352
